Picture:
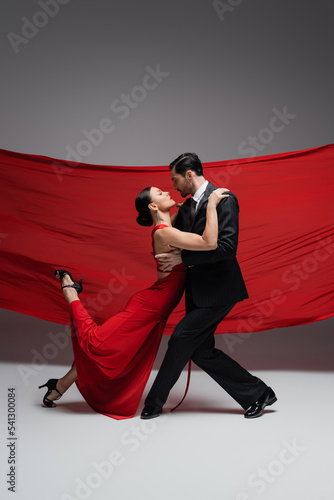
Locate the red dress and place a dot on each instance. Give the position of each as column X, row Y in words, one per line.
column 114, row 360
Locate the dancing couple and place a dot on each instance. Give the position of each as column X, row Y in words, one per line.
column 195, row 249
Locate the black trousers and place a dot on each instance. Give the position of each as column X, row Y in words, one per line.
column 193, row 338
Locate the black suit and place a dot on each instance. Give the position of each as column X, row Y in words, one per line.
column 215, row 278
column 214, row 285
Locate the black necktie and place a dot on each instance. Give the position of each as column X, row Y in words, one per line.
column 192, row 211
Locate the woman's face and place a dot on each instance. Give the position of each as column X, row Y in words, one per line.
column 161, row 199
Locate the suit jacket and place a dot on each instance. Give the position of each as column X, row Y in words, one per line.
column 214, row 277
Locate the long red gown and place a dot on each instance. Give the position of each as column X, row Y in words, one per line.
column 114, row 360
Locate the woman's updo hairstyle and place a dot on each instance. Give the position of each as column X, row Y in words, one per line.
column 142, row 202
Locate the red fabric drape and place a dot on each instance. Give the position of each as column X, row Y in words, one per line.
column 80, row 217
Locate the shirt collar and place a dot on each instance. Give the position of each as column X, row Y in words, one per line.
column 200, row 192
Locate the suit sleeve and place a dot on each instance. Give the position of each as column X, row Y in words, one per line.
column 228, row 221
column 183, row 214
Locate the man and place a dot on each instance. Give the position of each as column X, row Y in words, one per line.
column 214, row 285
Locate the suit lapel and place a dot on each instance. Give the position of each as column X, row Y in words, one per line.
column 185, row 209
column 203, row 202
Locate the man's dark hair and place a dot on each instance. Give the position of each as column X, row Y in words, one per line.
column 187, row 161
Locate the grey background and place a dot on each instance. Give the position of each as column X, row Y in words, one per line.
column 226, row 74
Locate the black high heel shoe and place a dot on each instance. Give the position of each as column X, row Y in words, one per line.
column 60, row 273
column 51, row 385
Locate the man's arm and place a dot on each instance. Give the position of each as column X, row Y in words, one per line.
column 228, row 227
column 228, row 217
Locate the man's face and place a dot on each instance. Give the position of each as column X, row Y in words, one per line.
column 181, row 184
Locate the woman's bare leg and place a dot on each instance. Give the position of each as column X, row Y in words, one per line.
column 64, row 383
column 71, row 376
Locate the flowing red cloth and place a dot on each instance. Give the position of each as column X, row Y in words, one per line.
column 81, row 217
column 114, row 360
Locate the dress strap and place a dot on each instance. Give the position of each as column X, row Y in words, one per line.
column 187, row 386
column 159, row 226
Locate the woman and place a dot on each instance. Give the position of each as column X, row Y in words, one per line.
column 113, row 361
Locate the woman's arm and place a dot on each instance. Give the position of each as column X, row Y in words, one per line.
column 190, row 241
column 228, row 230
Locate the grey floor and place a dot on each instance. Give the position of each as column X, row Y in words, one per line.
column 205, row 449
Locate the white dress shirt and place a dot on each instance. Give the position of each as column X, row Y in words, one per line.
column 200, row 193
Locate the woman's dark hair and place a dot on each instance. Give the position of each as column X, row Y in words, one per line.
column 142, row 202
column 187, row 161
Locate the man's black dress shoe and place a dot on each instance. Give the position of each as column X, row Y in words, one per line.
column 267, row 399
column 151, row 412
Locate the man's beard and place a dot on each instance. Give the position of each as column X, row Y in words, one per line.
column 183, row 194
